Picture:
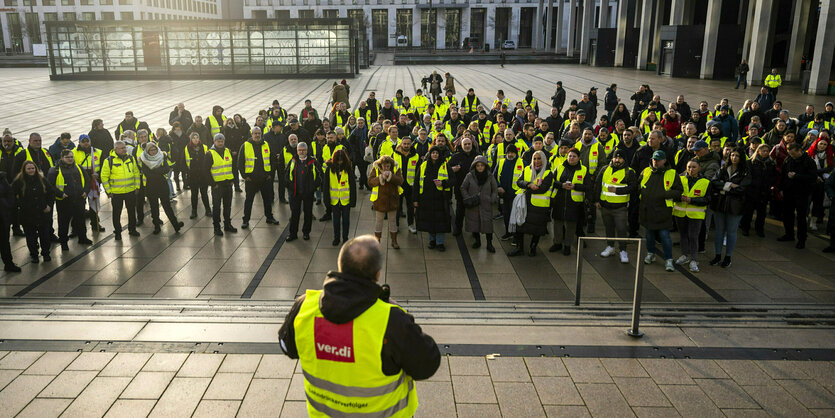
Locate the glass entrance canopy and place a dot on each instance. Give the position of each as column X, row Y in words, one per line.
column 202, row 49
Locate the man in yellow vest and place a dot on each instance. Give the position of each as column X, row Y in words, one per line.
column 70, row 185
column 120, row 179
column 592, row 156
column 612, row 188
column 219, row 172
column 773, row 81
column 255, row 161
column 360, row 352
column 130, row 123
column 215, row 121
column 659, row 186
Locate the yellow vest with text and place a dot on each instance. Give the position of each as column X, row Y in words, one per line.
column 682, row 209
column 221, row 165
column 442, row 175
column 517, row 171
column 249, row 156
column 540, row 200
column 45, row 154
column 340, row 189
column 60, row 183
column 594, row 154
column 617, row 178
column 579, row 177
column 669, row 178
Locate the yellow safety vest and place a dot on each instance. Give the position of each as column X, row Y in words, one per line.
column 326, row 151
column 342, row 367
column 387, row 148
column 450, row 100
column 135, row 128
column 811, row 125
column 610, row 146
column 699, row 189
column 469, row 106
column 45, row 154
column 579, row 177
column 487, row 131
column 288, row 156
column 617, row 179
column 366, row 115
column 214, row 126
column 772, row 81
column 120, row 175
column 532, row 103
column 557, row 159
column 249, row 156
column 340, row 189
column 221, row 166
column 60, row 183
column 594, row 154
column 376, row 190
column 442, row 175
column 504, row 101
column 83, row 160
column 540, row 200
column 411, row 167
column 722, row 140
column 669, row 178
column 188, row 155
column 419, row 103
column 517, row 171
column 293, row 168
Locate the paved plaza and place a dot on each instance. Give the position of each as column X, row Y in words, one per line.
column 182, row 324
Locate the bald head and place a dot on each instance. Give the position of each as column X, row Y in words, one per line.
column 361, row 257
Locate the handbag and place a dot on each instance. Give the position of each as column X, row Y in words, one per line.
column 369, row 154
column 472, row 201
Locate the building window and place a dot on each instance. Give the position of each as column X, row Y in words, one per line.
column 88, row 16
column 282, row 14
column 106, row 2
column 477, row 24
column 259, row 14
column 125, row 2
column 50, row 17
column 502, row 26
column 48, row 2
column 126, row 15
column 87, row 3
column 306, row 14
column 404, row 24
column 67, row 2
column 107, row 16
column 33, row 26
column 10, row 3
column 526, row 23
column 428, row 27
column 380, row 28
column 330, row 13
column 15, row 31
column 453, row 29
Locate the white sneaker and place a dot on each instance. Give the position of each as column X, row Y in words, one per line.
column 813, row 225
column 413, row 229
column 694, row 266
column 608, row 252
column 624, row 257
column 683, row 260
column 668, row 265
column 649, row 259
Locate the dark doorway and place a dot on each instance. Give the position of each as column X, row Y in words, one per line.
column 380, row 28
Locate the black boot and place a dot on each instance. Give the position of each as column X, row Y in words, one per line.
column 477, row 242
column 157, row 228
column 532, row 252
column 520, row 246
column 178, row 226
column 490, row 248
column 193, row 214
column 726, row 262
column 716, row 260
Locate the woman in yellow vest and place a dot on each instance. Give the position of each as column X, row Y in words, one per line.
column 385, row 180
column 340, row 192
column 535, row 183
column 567, row 209
column 431, row 196
column 689, row 213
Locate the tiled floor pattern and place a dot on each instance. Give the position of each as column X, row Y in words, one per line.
column 195, row 264
column 52, row 384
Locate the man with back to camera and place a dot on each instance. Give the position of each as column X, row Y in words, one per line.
column 350, row 361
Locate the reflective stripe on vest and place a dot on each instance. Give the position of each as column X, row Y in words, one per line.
column 470, row 106
column 616, row 179
column 578, row 177
column 45, row 154
column 135, row 128
column 682, row 209
column 83, row 160
column 249, row 156
column 593, row 154
column 221, row 166
column 119, row 175
column 340, row 189
column 60, row 183
column 214, row 126
column 517, row 171
column 342, row 367
column 540, row 200
column 375, row 191
column 669, row 178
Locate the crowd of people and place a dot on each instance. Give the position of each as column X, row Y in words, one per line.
column 446, row 164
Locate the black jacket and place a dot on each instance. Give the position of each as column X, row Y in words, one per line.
column 610, row 100
column 345, row 297
column 763, row 178
column 101, row 139
column 684, row 110
column 258, row 174
column 197, row 175
column 72, row 180
column 185, row 119
column 558, row 99
column 304, row 183
column 643, row 157
column 465, row 161
column 31, row 198
column 156, row 184
column 730, row 201
column 805, row 176
column 126, row 126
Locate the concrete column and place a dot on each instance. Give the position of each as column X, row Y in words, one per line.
column 490, row 27
column 560, row 22
column 585, row 31
column 603, row 18
column 714, row 10
column 749, row 27
column 572, row 28
column 656, row 35
column 392, row 27
column 536, row 42
column 798, row 39
column 644, row 39
column 440, row 38
column 620, row 40
column 7, row 34
column 549, row 23
column 416, row 26
column 515, row 17
column 677, row 12
column 759, row 41
column 824, row 48
column 465, row 25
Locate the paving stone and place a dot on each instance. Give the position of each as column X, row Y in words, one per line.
column 604, row 400
column 200, row 365
column 566, row 411
column 275, row 366
column 666, row 372
column 147, row 385
column 586, row 370
column 557, row 390
column 702, row 369
column 468, row 366
column 296, row 390
column 442, row 374
column 97, row 397
column 726, row 393
column 508, row 369
column 91, row 361
column 546, row 366
column 240, row 363
column 129, row 408
column 473, row 389
column 745, row 413
column 51, row 363
column 518, row 399
column 126, row 364
column 654, row 412
column 44, row 408
column 165, row 362
column 641, row 391
column 68, row 384
column 436, row 399
column 294, row 409
column 219, row 409
column 690, row 401
column 745, row 372
column 809, row 393
column 228, row 386
column 181, row 397
column 17, row 394
column 19, row 360
column 476, row 410
column 264, row 397
column 823, row 372
column 623, row 367
column 823, row 412
column 6, row 377
column 780, row 369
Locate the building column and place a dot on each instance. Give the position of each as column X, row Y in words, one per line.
column 585, row 32
column 749, row 27
column 440, row 38
column 620, row 39
column 515, row 17
column 392, row 27
column 643, row 39
column 416, row 26
column 759, row 41
column 536, row 41
column 490, row 27
column 798, row 39
column 572, row 28
column 824, row 48
column 7, row 34
column 549, row 23
column 714, row 11
column 560, row 22
column 656, row 35
column 465, row 25
column 677, row 12
column 603, row 18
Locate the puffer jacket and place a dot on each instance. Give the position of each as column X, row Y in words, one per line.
column 388, row 197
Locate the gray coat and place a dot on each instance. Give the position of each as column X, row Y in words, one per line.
column 480, row 219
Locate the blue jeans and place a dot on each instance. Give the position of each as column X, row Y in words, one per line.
column 662, row 235
column 740, row 79
column 725, row 225
column 437, row 237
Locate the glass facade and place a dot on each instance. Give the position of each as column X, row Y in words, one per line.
column 428, row 27
column 404, row 24
column 211, row 49
column 453, row 29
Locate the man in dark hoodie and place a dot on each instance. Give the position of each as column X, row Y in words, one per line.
column 180, row 114
column 798, row 177
column 61, row 143
column 325, row 327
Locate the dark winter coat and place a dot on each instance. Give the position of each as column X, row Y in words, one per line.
column 197, row 177
column 432, row 214
column 101, row 139
column 156, row 180
column 727, row 200
column 610, row 100
column 653, row 212
column 763, row 178
column 479, row 219
column 31, row 198
column 536, row 221
column 307, row 176
column 185, row 119
column 804, row 179
column 178, row 146
column 563, row 208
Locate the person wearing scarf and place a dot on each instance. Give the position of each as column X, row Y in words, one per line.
column 822, row 154
column 570, row 178
column 480, row 184
column 156, row 168
column 535, row 183
column 431, row 197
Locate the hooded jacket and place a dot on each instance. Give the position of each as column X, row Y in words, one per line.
column 345, row 297
column 56, row 148
column 388, row 197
